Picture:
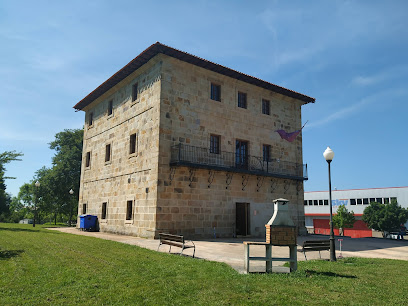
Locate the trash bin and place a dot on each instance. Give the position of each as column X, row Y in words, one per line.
column 87, row 222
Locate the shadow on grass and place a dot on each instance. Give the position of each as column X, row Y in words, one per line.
column 7, row 254
column 331, row 274
column 16, row 229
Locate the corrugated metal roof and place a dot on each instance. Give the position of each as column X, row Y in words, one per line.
column 157, row 48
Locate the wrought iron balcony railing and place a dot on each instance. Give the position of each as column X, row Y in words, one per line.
column 190, row 156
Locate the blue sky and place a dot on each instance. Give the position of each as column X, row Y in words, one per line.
column 350, row 55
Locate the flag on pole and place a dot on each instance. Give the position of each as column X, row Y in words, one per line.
column 290, row 136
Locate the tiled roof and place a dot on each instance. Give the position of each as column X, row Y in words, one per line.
column 157, row 48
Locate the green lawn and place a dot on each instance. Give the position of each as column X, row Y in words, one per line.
column 38, row 267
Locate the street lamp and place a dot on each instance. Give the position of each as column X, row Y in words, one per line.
column 328, row 156
column 37, row 185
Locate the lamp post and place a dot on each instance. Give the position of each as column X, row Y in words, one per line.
column 37, row 185
column 328, row 156
column 71, row 192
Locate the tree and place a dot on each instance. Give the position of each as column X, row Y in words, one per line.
column 343, row 219
column 385, row 217
column 5, row 199
column 67, row 169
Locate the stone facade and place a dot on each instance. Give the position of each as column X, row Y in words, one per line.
column 173, row 107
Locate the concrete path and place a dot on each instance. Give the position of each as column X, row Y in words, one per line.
column 231, row 251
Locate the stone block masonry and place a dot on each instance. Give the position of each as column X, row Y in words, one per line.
column 165, row 102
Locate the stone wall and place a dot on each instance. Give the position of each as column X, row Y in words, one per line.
column 186, row 204
column 126, row 177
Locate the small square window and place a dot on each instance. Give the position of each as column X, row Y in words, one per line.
column 379, row 200
column 365, row 201
column 103, row 216
column 84, row 209
column 133, row 144
column 88, row 159
column 110, row 108
column 386, row 201
column 310, row 202
column 359, row 201
column 320, row 202
column 129, row 208
column 242, row 99
column 215, row 144
column 352, row 201
column 265, row 107
column 107, row 153
column 90, row 119
column 394, row 200
column 315, row 202
column 215, row 92
column 305, row 202
column 266, row 152
column 372, row 200
column 326, row 202
column 134, row 92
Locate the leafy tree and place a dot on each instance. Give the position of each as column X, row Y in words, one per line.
column 5, row 199
column 385, row 217
column 343, row 219
column 66, row 170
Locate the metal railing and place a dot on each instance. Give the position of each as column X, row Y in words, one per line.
column 184, row 155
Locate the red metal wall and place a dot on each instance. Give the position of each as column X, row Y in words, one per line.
column 359, row 230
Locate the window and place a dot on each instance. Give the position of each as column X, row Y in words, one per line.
column 394, row 200
column 242, row 99
column 90, row 119
column 320, row 202
column 134, row 92
column 110, row 107
column 305, row 202
column 352, row 201
column 84, row 209
column 326, row 202
column 107, row 153
column 129, row 207
column 215, row 144
column 241, row 154
column 133, row 144
column 365, row 201
column 372, row 200
column 359, row 201
column 215, row 92
column 315, row 202
column 266, row 150
column 88, row 159
column 379, row 200
column 104, row 204
column 265, row 107
column 386, row 201
column 310, row 202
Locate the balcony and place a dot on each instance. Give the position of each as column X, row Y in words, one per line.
column 196, row 157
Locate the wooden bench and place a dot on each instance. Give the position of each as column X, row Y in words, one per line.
column 315, row 245
column 292, row 259
column 177, row 241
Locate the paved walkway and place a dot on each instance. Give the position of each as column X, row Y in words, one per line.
column 231, row 251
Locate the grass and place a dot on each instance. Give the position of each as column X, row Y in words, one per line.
column 40, row 267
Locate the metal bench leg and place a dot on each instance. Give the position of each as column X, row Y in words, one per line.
column 194, row 252
column 320, row 255
column 304, row 253
column 159, row 246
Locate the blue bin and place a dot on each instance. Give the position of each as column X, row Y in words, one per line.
column 87, row 222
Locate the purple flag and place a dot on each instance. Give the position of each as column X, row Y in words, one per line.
column 289, row 136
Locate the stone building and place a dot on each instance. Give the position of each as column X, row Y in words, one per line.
column 175, row 143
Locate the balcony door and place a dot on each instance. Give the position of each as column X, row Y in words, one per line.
column 241, row 154
column 242, row 219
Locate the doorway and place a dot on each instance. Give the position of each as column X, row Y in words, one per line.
column 242, row 219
